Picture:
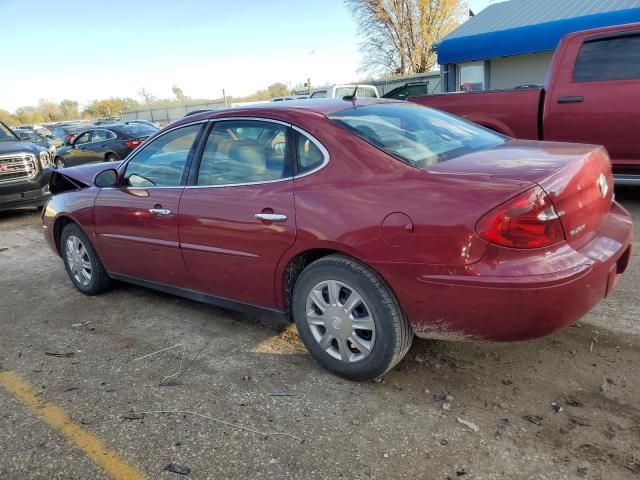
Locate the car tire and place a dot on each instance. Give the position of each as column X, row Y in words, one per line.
column 82, row 262
column 60, row 162
column 111, row 157
column 323, row 307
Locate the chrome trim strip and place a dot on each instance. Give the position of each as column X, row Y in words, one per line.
column 626, row 179
column 192, row 247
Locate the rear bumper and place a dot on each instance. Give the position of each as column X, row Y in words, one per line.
column 25, row 193
column 521, row 298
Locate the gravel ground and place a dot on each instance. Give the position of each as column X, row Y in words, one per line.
column 256, row 375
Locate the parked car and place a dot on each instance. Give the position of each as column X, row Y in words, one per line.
column 107, row 143
column 25, row 169
column 141, row 122
column 590, row 96
column 63, row 134
column 410, row 89
column 364, row 221
column 340, row 91
column 289, row 97
column 34, row 137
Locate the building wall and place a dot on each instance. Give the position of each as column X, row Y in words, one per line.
column 510, row 72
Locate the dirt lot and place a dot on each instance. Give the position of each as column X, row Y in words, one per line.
column 62, row 353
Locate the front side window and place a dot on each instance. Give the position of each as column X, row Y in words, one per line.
column 84, row 138
column 608, row 59
column 162, row 162
column 101, row 135
column 415, row 134
column 244, row 151
column 471, row 76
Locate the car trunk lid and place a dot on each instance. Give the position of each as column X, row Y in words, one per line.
column 577, row 178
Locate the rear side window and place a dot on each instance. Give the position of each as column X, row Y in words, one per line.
column 415, row 134
column 244, row 151
column 309, row 154
column 608, row 59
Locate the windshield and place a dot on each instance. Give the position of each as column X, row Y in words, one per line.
column 6, row 135
column 415, row 134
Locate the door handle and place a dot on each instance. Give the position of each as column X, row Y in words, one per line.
column 576, row 99
column 271, row 217
column 159, row 212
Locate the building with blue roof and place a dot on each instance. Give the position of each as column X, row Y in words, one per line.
column 510, row 44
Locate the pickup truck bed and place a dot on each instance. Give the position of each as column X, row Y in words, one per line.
column 591, row 97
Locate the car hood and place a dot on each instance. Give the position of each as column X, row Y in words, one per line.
column 18, row 147
column 86, row 173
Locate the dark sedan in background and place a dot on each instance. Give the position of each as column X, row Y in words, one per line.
column 62, row 134
column 106, row 143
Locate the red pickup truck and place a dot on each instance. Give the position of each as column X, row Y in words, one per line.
column 592, row 95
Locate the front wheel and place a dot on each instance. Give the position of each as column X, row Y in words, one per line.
column 349, row 319
column 112, row 157
column 82, row 263
column 60, row 162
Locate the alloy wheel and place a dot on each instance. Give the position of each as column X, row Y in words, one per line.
column 78, row 260
column 340, row 321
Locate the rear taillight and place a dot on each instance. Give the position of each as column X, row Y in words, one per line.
column 134, row 143
column 526, row 221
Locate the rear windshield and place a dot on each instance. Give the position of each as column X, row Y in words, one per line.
column 137, row 130
column 415, row 134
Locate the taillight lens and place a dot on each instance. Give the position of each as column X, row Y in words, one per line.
column 526, row 221
column 134, row 143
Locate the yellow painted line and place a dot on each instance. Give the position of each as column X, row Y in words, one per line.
column 55, row 417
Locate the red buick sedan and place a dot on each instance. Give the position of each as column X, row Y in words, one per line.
column 363, row 221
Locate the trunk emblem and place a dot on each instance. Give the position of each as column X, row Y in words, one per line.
column 602, row 183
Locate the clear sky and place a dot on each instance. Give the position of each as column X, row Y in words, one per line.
column 85, row 50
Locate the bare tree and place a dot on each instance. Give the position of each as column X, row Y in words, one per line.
column 147, row 96
column 398, row 35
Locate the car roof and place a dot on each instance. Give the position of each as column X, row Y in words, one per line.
column 323, row 106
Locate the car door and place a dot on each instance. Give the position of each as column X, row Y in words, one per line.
column 100, row 144
column 595, row 100
column 77, row 153
column 237, row 216
column 136, row 222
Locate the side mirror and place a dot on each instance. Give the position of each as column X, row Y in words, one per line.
column 106, row 178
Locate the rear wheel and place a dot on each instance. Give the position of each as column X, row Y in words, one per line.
column 349, row 319
column 111, row 157
column 82, row 263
